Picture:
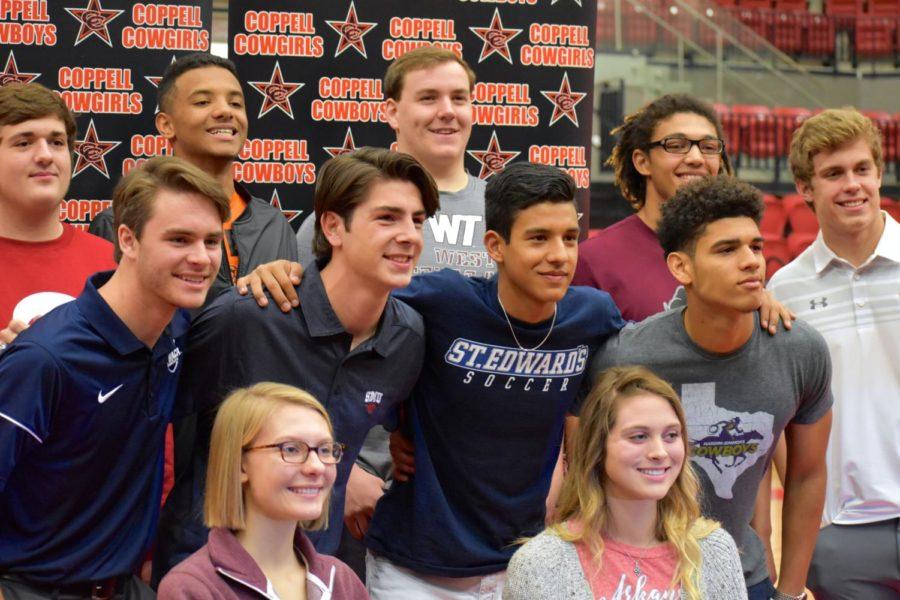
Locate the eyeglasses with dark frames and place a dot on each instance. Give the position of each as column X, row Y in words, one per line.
column 294, row 453
column 683, row 145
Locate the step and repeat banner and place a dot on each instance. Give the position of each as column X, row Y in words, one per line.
column 314, row 82
column 105, row 58
column 312, row 73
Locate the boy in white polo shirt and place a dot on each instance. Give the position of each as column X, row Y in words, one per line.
column 846, row 285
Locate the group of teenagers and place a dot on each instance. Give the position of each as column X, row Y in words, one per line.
column 348, row 406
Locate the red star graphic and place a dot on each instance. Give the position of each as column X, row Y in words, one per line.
column 351, row 32
column 276, row 93
column 349, row 145
column 90, row 152
column 11, row 72
column 94, row 21
column 496, row 38
column 290, row 215
column 155, row 79
column 493, row 160
column 564, row 101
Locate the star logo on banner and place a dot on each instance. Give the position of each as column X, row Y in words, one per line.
column 11, row 72
column 91, row 151
column 351, row 32
column 564, row 101
column 493, row 159
column 94, row 21
column 578, row 2
column 276, row 93
column 154, row 81
column 496, row 38
column 290, row 215
column 349, row 145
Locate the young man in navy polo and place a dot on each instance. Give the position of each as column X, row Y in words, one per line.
column 87, row 392
column 351, row 344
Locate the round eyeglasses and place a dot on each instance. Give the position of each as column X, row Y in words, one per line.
column 682, row 145
column 329, row 453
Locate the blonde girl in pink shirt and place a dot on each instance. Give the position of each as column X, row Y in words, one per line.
column 628, row 525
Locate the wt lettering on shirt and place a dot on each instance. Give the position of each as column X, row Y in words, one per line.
column 446, row 228
column 624, row 591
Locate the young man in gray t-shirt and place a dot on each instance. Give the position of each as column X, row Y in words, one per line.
column 740, row 388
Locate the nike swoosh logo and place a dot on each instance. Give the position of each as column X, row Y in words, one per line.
column 101, row 397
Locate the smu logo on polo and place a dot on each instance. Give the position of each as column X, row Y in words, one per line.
column 373, row 400
column 172, row 359
column 514, row 368
column 724, row 443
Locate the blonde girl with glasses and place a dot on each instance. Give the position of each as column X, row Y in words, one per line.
column 272, row 464
column 628, row 523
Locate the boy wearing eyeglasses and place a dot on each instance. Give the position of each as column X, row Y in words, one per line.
column 350, row 344
column 672, row 140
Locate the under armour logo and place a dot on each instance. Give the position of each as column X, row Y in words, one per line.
column 823, row 303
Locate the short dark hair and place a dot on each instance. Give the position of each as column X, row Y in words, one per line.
column 20, row 102
column 636, row 133
column 699, row 203
column 344, row 181
column 182, row 65
column 520, row 186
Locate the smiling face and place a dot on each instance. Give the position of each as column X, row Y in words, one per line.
column 433, row 116
column 645, row 450
column 537, row 263
column 280, row 491
column 726, row 270
column 205, row 117
column 666, row 172
column 844, row 191
column 35, row 167
column 381, row 240
column 178, row 254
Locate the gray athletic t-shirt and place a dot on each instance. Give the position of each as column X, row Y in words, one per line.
column 736, row 405
column 454, row 237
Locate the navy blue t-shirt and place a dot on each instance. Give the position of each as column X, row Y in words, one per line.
column 84, row 406
column 486, row 419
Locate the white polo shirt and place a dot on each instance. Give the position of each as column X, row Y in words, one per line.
column 857, row 310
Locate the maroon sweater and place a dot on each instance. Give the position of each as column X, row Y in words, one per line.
column 222, row 569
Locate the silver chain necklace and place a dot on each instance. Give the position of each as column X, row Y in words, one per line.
column 513, row 331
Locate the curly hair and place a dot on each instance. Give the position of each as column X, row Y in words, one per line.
column 636, row 134
column 699, row 203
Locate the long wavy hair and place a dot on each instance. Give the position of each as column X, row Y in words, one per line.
column 583, row 498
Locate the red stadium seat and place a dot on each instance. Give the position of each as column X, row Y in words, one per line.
column 787, row 31
column 888, row 8
column 606, row 23
column 892, row 207
column 788, row 119
column 755, row 127
column 797, row 242
column 875, row 36
column 820, row 35
column 800, row 216
column 774, row 218
column 755, row 3
column 843, row 7
column 793, row 5
column 776, row 254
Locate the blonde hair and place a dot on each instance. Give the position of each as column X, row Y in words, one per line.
column 583, row 498
column 830, row 130
column 240, row 419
